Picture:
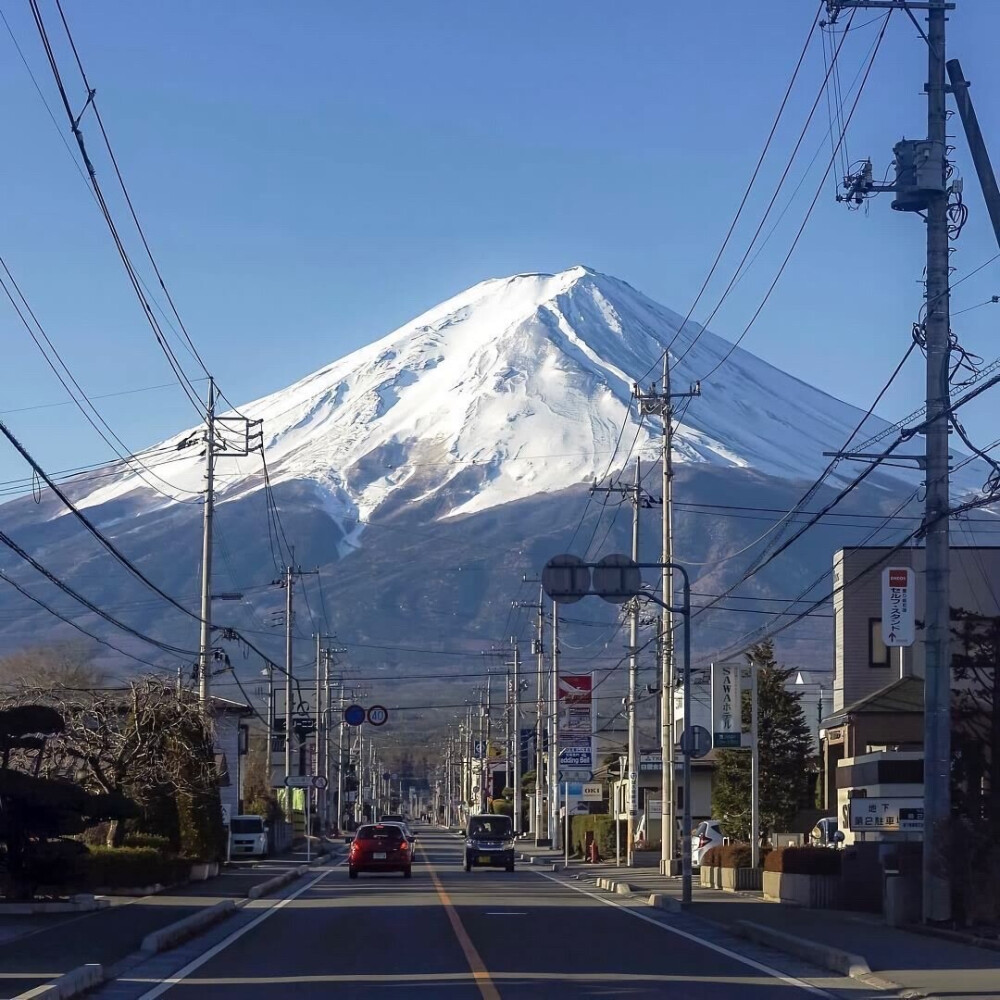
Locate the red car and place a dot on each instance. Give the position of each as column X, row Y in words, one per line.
column 380, row 847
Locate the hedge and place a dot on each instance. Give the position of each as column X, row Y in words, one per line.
column 153, row 840
column 803, row 861
column 731, row 856
column 129, row 867
column 603, row 828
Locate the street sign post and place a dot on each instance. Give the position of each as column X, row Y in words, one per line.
column 727, row 722
column 378, row 715
column 698, row 743
column 887, row 815
column 898, row 606
column 354, row 715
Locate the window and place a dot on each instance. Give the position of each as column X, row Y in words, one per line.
column 490, row 826
column 878, row 654
column 247, row 824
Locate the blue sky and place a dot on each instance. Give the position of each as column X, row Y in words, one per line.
column 313, row 174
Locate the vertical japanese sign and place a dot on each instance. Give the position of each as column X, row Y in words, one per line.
column 727, row 722
column 898, row 599
column 576, row 723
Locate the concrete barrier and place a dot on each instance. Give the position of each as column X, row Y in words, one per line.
column 623, row 889
column 265, row 888
column 664, row 902
column 173, row 934
column 73, row 984
column 847, row 964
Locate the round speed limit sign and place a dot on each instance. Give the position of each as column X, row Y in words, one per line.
column 378, row 715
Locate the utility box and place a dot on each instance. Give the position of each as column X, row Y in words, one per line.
column 919, row 173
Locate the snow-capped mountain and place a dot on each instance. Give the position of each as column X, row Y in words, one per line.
column 428, row 474
column 515, row 387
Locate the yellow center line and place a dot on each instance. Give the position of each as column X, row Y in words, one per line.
column 476, row 964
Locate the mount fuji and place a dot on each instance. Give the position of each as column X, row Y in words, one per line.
column 428, row 472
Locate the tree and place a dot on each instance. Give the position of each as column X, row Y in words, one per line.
column 257, row 791
column 785, row 748
column 132, row 742
column 976, row 718
column 39, row 814
column 63, row 664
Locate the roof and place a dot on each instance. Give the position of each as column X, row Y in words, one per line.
column 902, row 697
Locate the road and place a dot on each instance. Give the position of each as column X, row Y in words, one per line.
column 478, row 936
column 34, row 950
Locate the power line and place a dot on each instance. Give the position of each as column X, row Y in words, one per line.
column 747, row 191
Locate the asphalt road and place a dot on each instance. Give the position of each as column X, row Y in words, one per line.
column 478, row 936
column 34, row 950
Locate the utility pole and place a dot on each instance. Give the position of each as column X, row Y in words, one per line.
column 340, row 757
column 540, row 723
column 517, row 737
column 638, row 498
column 937, row 685
column 554, row 733
column 289, row 582
column 754, row 767
column 661, row 403
column 205, row 644
column 633, row 674
column 270, row 724
column 482, row 753
column 922, row 185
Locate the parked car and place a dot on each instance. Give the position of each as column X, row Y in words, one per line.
column 380, row 847
column 707, row 834
column 489, row 842
column 824, row 833
column 248, row 837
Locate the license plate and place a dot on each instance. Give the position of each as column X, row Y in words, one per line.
column 379, row 856
column 483, row 860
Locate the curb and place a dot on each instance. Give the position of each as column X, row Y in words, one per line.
column 958, row 937
column 263, row 888
column 847, row 964
column 173, row 934
column 73, row 984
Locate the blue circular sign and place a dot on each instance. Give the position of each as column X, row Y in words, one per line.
column 354, row 715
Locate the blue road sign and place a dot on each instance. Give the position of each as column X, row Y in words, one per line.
column 354, row 715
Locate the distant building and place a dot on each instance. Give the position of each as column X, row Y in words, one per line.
column 878, row 692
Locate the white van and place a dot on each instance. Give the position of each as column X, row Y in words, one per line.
column 248, row 837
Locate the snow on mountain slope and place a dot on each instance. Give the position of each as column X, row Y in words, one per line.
column 526, row 381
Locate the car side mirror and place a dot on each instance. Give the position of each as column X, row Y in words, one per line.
column 838, row 837
column 347, row 840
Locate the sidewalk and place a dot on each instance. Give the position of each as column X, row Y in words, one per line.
column 927, row 965
column 35, row 949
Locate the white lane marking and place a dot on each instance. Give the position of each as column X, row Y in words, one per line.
column 197, row 963
column 774, row 973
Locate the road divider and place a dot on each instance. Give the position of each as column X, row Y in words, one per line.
column 73, row 984
column 844, row 962
column 179, row 931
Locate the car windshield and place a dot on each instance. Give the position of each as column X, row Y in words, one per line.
column 387, row 833
column 489, row 826
column 247, row 824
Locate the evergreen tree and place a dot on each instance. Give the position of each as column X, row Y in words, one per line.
column 785, row 748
